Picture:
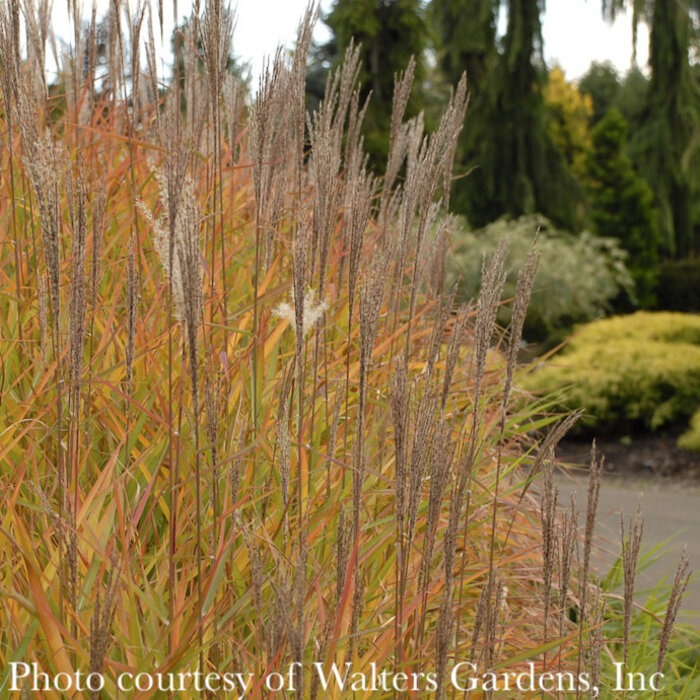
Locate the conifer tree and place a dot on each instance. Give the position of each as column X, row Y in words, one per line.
column 516, row 167
column 632, row 98
column 672, row 152
column 622, row 203
column 388, row 32
column 667, row 144
column 602, row 83
column 465, row 33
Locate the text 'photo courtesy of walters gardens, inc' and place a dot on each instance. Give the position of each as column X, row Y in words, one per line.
column 463, row 677
column 267, row 429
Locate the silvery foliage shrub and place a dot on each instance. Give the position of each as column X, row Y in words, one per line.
column 577, row 278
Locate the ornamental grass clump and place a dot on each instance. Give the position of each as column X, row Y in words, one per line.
column 242, row 425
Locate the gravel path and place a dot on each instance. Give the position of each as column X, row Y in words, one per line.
column 670, row 511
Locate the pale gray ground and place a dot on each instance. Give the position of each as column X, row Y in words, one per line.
column 669, row 511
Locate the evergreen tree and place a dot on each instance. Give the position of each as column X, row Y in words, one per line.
column 607, row 90
column 517, row 168
column 465, row 33
column 622, row 203
column 389, row 32
column 671, row 137
column 632, row 98
column 602, row 83
column 667, row 145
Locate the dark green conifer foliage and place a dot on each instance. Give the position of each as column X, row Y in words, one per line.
column 517, row 169
column 667, row 145
column 672, row 156
column 632, row 99
column 622, row 203
column 602, row 83
column 389, row 33
column 465, row 33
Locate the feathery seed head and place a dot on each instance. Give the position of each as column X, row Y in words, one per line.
column 312, row 312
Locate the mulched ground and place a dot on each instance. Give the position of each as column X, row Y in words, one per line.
column 647, row 456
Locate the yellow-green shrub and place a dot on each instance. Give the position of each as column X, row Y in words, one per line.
column 641, row 370
column 690, row 440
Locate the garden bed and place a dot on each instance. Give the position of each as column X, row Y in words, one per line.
column 643, row 455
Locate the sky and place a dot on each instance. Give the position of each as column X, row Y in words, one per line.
column 574, row 31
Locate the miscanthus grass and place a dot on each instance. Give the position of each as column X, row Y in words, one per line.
column 242, row 422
